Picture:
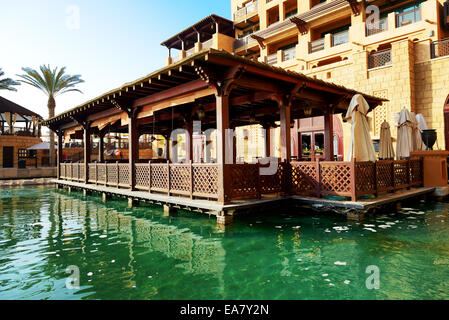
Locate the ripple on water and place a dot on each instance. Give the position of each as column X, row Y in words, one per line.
column 139, row 254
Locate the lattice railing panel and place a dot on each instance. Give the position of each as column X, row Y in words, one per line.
column 401, row 174
column 335, row 178
column 101, row 172
column 123, row 174
column 244, row 180
column 205, row 180
column 75, row 171
column 142, row 176
column 305, row 178
column 385, row 179
column 365, row 177
column 416, row 173
column 82, row 175
column 112, row 174
column 92, row 172
column 63, row 171
column 159, row 177
column 180, row 179
column 272, row 183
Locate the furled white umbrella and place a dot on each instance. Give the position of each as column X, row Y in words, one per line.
column 422, row 125
column 386, row 151
column 362, row 148
column 416, row 133
column 405, row 135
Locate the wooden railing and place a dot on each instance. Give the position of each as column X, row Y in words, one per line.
column 354, row 179
column 247, row 181
column 193, row 180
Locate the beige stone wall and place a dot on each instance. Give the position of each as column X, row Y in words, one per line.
column 432, row 89
column 18, row 143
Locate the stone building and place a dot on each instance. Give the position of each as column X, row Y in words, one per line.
column 404, row 57
column 19, row 129
column 398, row 50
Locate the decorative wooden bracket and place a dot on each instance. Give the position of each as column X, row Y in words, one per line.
column 222, row 83
column 260, row 40
column 132, row 112
column 300, row 24
column 354, row 7
column 299, row 87
column 84, row 123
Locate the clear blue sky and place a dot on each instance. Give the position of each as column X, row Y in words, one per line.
column 116, row 41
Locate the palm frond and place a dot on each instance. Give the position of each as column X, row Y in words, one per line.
column 52, row 82
column 7, row 83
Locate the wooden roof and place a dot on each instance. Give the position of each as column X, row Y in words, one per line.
column 206, row 27
column 9, row 106
column 184, row 77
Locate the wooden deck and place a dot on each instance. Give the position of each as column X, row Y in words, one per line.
column 199, row 205
column 365, row 204
column 211, row 207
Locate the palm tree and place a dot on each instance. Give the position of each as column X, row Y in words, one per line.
column 52, row 83
column 7, row 83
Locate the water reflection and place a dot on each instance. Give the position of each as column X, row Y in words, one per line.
column 137, row 253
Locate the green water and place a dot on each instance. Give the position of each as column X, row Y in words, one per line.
column 139, row 254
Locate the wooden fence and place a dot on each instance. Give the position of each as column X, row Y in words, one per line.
column 249, row 181
column 194, row 180
column 354, row 179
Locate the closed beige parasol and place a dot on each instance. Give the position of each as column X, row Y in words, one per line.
column 405, row 135
column 386, row 151
column 362, row 148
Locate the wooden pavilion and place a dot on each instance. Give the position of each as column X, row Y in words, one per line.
column 222, row 91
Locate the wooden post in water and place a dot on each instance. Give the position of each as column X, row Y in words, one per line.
column 133, row 146
column 86, row 137
column 59, row 158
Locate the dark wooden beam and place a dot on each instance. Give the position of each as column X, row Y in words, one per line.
column 171, row 93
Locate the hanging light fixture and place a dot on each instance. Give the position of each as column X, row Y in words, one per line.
column 308, row 111
column 252, row 117
column 201, row 113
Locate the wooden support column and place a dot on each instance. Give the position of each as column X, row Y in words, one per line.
column 59, row 156
column 286, row 151
column 87, row 148
column 207, row 148
column 267, row 129
column 328, row 135
column 133, row 145
column 224, row 182
column 189, row 141
column 101, row 148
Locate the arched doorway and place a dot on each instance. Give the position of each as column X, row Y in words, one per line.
column 446, row 123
